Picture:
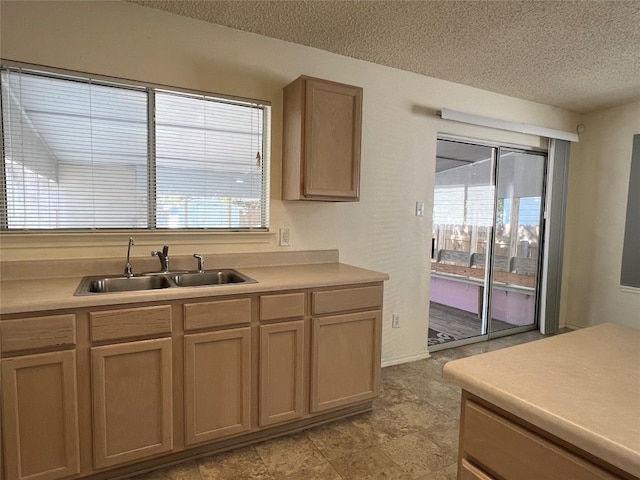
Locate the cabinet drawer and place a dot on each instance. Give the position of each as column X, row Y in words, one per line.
column 288, row 305
column 359, row 298
column 510, row 451
column 220, row 313
column 38, row 332
column 469, row 472
column 130, row 322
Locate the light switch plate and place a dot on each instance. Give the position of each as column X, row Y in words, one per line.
column 419, row 209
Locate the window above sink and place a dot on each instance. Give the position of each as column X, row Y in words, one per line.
column 86, row 153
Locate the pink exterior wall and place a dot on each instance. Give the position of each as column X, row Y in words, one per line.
column 513, row 307
column 461, row 295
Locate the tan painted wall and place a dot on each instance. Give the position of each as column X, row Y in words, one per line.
column 398, row 147
column 596, row 213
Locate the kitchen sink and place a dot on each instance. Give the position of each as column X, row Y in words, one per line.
column 216, row 277
column 124, row 284
column 154, row 281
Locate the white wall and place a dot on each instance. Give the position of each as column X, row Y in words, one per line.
column 596, row 213
column 398, row 143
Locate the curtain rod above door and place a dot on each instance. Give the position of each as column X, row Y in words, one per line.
column 447, row 114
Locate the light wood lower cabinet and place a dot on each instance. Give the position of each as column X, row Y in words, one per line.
column 132, row 401
column 91, row 393
column 281, row 372
column 217, row 382
column 40, row 416
column 345, row 359
column 346, row 343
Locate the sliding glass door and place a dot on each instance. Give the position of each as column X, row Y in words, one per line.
column 516, row 247
column 463, row 217
column 485, row 242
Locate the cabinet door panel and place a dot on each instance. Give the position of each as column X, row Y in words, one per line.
column 40, row 416
column 345, row 359
column 332, row 139
column 217, row 384
column 132, row 401
column 281, row 372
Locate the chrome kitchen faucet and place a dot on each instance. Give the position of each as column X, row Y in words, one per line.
column 164, row 258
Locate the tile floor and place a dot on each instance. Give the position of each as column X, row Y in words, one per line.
column 411, row 434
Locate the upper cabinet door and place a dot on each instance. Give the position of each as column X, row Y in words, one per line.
column 322, row 136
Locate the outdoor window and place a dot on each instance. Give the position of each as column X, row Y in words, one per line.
column 81, row 153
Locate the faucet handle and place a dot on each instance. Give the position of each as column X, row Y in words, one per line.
column 200, row 259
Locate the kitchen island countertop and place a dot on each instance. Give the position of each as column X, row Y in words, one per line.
column 582, row 387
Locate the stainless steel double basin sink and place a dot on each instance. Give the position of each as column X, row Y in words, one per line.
column 154, row 281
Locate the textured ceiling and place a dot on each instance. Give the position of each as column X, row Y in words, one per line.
column 579, row 55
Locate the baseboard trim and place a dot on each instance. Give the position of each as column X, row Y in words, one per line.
column 404, row 359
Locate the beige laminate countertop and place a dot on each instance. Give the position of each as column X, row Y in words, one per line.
column 33, row 295
column 582, row 386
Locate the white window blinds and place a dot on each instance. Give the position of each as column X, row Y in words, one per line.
column 208, row 163
column 86, row 154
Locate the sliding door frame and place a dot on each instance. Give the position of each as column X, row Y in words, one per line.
column 542, row 304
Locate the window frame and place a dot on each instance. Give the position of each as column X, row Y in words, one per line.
column 150, row 90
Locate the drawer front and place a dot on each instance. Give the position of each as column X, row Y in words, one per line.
column 130, row 322
column 469, row 472
column 360, row 298
column 288, row 305
column 220, row 313
column 38, row 332
column 512, row 452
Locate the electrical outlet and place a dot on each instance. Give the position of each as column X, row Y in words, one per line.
column 285, row 238
column 395, row 320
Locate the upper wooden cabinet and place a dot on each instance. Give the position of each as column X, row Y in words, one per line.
column 322, row 123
